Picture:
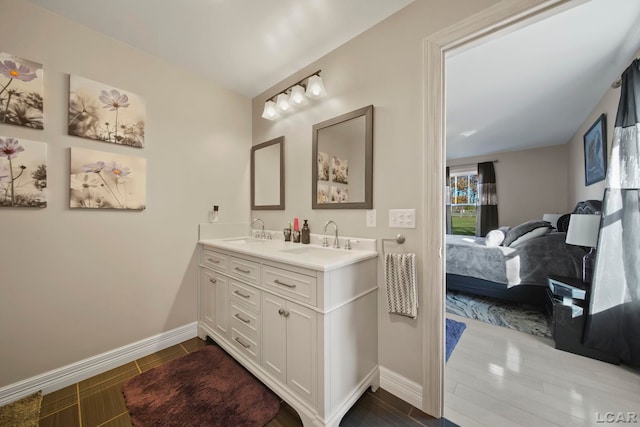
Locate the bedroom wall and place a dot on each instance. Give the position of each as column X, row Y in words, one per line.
column 383, row 67
column 609, row 106
column 530, row 183
column 77, row 283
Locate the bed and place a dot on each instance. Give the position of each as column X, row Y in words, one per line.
column 516, row 269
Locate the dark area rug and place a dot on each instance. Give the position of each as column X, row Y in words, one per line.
column 454, row 330
column 205, row 388
column 523, row 318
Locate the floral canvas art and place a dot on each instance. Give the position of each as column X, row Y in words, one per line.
column 323, row 166
column 340, row 170
column 323, row 193
column 339, row 194
column 102, row 180
column 104, row 113
column 23, row 173
column 21, row 92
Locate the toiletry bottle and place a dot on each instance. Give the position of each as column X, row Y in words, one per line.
column 213, row 214
column 306, row 233
column 296, row 230
column 287, row 233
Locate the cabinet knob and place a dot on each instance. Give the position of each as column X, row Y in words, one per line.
column 212, row 280
column 281, row 312
column 286, row 313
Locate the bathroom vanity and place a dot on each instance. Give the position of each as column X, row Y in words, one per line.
column 301, row 318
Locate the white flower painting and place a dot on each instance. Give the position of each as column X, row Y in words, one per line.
column 104, row 113
column 339, row 194
column 340, row 170
column 21, row 92
column 100, row 180
column 323, row 193
column 23, row 173
column 323, row 166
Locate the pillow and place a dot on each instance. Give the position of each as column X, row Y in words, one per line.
column 526, row 231
column 496, row 237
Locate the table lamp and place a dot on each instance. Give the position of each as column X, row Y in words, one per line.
column 583, row 231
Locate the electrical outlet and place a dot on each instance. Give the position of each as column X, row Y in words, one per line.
column 371, row 218
column 402, row 218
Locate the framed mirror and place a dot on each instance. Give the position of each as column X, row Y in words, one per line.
column 342, row 171
column 267, row 175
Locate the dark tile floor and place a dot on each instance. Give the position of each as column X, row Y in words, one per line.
column 98, row 401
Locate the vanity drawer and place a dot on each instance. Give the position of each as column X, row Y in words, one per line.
column 246, row 345
column 248, row 296
column 215, row 260
column 245, row 321
column 248, row 271
column 288, row 283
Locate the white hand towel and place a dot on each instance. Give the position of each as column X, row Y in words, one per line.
column 400, row 274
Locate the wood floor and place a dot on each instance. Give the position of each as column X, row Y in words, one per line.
column 501, row 377
column 98, row 401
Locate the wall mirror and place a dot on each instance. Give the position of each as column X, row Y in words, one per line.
column 267, row 175
column 342, row 171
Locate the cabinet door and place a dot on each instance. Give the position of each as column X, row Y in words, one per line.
column 221, row 304
column 302, row 350
column 274, row 335
column 213, row 300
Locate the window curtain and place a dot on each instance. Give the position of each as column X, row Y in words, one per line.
column 613, row 324
column 487, row 210
column 447, row 201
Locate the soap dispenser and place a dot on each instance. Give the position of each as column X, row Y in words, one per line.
column 306, row 233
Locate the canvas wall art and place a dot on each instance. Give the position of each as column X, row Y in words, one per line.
column 323, row 166
column 595, row 151
column 21, row 92
column 23, row 173
column 339, row 194
column 340, row 170
column 104, row 113
column 323, row 193
column 102, row 180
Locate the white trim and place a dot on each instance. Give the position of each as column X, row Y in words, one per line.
column 402, row 387
column 87, row 368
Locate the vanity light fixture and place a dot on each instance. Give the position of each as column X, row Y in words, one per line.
column 295, row 96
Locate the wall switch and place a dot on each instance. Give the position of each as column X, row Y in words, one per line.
column 371, row 218
column 402, row 218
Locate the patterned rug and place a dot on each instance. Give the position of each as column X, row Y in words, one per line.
column 22, row 413
column 454, row 330
column 510, row 315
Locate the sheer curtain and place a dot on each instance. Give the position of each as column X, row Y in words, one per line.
column 487, row 210
column 614, row 309
column 447, row 201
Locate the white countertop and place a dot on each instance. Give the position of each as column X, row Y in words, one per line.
column 312, row 256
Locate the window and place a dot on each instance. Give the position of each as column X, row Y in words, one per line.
column 464, row 197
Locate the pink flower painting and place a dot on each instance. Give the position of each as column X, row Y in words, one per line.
column 21, row 92
column 23, row 173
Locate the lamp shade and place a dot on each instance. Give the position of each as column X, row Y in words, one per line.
column 282, row 103
column 298, row 97
column 583, row 230
column 315, row 87
column 270, row 112
column 552, row 218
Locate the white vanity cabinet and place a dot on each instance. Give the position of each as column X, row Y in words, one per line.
column 307, row 331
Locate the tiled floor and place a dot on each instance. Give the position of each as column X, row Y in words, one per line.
column 98, row 401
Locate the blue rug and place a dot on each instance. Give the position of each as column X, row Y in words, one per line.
column 454, row 331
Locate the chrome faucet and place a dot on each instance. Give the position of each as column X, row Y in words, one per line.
column 325, row 242
column 259, row 235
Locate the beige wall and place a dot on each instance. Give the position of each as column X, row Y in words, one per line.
column 530, row 183
column 609, row 106
column 383, row 67
column 76, row 283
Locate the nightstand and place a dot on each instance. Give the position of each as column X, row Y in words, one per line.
column 567, row 305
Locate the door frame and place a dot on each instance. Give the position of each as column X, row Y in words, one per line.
column 501, row 18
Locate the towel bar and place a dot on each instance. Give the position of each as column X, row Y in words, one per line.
column 400, row 239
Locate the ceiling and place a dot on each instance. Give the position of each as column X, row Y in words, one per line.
column 245, row 45
column 536, row 86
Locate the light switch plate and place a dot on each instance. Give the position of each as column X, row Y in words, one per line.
column 402, row 218
column 371, row 218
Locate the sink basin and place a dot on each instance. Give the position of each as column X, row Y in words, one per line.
column 325, row 254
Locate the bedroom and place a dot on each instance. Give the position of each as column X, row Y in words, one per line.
column 530, row 182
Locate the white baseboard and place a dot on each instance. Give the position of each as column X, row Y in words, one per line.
column 87, row 368
column 402, row 387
